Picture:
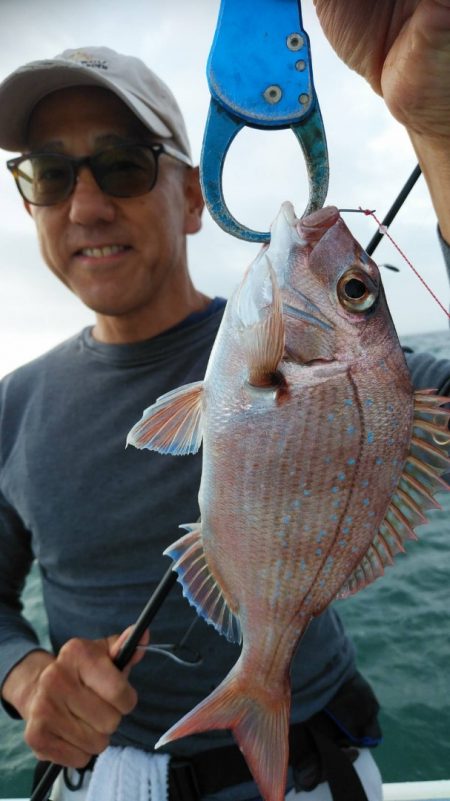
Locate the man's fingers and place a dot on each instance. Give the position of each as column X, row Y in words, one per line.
column 91, row 661
column 53, row 733
column 50, row 748
column 78, row 702
column 116, row 644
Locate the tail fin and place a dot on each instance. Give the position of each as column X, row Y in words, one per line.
column 259, row 722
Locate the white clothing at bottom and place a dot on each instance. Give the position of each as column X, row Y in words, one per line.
column 121, row 774
column 364, row 765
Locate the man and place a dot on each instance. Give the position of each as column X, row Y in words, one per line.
column 97, row 517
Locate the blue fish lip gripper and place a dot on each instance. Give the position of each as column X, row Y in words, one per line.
column 259, row 74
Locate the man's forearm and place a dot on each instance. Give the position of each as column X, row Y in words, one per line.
column 433, row 154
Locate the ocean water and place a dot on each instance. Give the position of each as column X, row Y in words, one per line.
column 400, row 626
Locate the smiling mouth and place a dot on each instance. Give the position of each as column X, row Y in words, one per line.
column 102, row 252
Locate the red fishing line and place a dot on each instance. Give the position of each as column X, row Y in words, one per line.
column 385, row 231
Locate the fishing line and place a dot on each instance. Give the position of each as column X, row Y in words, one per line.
column 384, row 231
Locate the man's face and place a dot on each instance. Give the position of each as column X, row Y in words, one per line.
column 121, row 256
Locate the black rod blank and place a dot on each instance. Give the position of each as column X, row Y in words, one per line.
column 396, row 206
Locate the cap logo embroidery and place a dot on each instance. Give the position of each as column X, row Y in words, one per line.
column 87, row 61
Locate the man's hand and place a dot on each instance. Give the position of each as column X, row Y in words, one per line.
column 73, row 703
column 402, row 48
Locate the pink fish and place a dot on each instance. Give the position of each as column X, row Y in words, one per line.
column 318, row 462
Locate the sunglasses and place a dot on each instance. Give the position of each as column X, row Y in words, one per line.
column 125, row 170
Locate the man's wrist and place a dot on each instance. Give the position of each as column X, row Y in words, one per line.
column 20, row 683
column 433, row 153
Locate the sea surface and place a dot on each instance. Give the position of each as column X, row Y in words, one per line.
column 400, row 626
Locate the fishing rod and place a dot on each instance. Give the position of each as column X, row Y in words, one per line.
column 42, row 790
column 396, row 206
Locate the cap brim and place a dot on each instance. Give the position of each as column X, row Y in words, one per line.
column 21, row 92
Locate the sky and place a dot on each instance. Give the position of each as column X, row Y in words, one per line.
column 370, row 160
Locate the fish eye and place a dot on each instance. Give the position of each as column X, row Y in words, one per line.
column 356, row 291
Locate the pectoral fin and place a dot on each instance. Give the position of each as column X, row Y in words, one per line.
column 260, row 311
column 173, row 424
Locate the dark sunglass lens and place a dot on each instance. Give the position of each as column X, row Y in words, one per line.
column 44, row 179
column 126, row 171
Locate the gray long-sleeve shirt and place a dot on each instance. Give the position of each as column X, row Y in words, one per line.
column 97, row 518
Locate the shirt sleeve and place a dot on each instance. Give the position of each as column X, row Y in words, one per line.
column 446, row 252
column 427, row 372
column 17, row 637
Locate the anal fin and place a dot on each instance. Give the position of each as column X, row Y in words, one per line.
column 200, row 587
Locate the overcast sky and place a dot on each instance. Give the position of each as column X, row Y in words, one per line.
column 370, row 159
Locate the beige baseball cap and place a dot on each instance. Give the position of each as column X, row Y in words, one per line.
column 148, row 97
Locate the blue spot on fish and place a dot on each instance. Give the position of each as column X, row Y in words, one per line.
column 346, row 530
column 351, row 460
column 330, row 417
column 328, row 564
column 296, row 504
column 318, row 551
column 351, row 429
column 307, row 492
column 341, row 476
column 334, row 489
column 366, row 501
column 286, row 519
column 348, row 401
column 379, row 460
column 365, row 483
column 369, row 402
column 370, row 437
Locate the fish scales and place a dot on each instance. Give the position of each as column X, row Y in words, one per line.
column 318, row 461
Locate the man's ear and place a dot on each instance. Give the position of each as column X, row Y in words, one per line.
column 194, row 201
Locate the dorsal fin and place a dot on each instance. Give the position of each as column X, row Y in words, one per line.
column 419, row 481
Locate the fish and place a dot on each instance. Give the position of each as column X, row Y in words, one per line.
column 319, row 460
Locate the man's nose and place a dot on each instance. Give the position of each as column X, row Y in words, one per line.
column 88, row 203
